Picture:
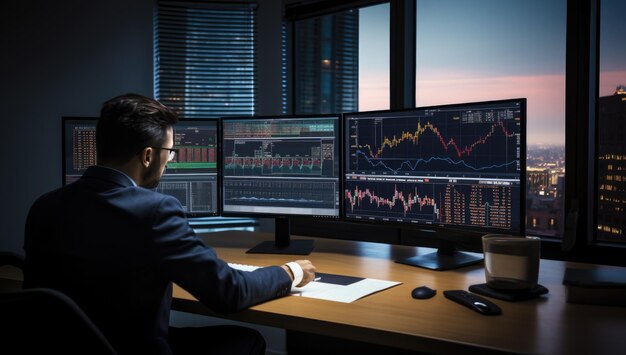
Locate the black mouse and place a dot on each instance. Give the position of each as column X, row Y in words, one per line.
column 423, row 292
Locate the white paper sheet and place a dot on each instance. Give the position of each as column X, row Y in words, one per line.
column 333, row 292
column 342, row 293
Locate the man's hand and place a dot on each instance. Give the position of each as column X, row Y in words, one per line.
column 308, row 272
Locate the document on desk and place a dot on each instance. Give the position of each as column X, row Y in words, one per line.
column 341, row 288
column 331, row 287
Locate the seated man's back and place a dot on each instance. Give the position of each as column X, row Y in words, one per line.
column 115, row 246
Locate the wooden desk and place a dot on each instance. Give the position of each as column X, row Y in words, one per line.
column 547, row 325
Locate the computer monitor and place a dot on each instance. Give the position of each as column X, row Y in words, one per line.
column 78, row 138
column 454, row 171
column 281, row 166
column 192, row 177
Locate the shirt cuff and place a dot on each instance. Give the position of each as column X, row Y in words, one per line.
column 297, row 272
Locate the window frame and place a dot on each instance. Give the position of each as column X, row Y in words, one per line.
column 583, row 79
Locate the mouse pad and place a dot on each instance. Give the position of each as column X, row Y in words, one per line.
column 511, row 296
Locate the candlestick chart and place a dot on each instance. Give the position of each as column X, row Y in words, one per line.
column 449, row 165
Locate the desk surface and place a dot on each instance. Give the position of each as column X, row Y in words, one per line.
column 547, row 325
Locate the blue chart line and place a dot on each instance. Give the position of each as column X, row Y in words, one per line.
column 377, row 162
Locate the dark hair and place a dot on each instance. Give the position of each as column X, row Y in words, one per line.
column 128, row 123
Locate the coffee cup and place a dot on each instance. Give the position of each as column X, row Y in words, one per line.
column 511, row 262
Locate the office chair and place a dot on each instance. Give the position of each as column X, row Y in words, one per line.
column 45, row 320
column 8, row 258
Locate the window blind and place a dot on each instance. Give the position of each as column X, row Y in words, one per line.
column 205, row 58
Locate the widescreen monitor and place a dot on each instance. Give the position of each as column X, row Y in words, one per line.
column 192, row 177
column 454, row 171
column 281, row 166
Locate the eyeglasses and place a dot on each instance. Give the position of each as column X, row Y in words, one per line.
column 171, row 155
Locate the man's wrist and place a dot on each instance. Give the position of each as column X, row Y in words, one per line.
column 296, row 272
column 288, row 271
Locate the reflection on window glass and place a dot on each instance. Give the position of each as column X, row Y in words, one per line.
column 326, row 63
column 342, row 61
column 611, row 198
column 492, row 49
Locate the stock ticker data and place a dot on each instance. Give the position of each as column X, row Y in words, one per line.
column 79, row 147
column 281, row 166
column 458, row 165
column 191, row 177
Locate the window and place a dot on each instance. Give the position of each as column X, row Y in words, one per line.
column 374, row 58
column 492, row 49
column 611, row 147
column 326, row 60
column 205, row 58
column 342, row 61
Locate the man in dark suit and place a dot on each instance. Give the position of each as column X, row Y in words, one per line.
column 115, row 246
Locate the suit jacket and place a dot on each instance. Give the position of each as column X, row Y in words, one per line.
column 116, row 248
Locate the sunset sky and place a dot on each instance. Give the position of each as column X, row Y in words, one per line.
column 486, row 50
column 612, row 46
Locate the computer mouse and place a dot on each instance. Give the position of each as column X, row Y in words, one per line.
column 423, row 292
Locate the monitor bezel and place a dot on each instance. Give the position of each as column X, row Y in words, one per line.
column 340, row 148
column 448, row 231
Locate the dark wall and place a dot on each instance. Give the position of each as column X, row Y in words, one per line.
column 60, row 58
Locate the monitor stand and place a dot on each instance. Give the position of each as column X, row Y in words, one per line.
column 446, row 258
column 282, row 243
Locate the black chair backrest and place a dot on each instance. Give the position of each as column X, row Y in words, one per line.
column 11, row 259
column 43, row 320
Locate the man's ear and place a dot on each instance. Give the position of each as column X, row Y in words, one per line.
column 146, row 156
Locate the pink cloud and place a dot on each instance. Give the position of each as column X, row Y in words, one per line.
column 545, row 95
column 609, row 81
column 373, row 91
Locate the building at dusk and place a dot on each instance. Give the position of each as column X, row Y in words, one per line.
column 545, row 183
column 612, row 167
column 544, row 201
